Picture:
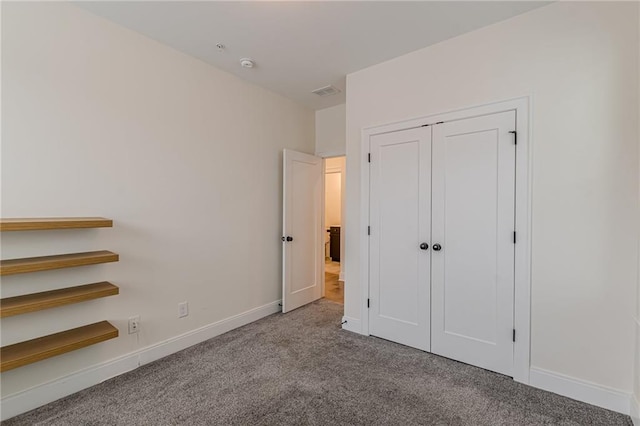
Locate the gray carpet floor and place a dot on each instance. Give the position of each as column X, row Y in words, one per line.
column 302, row 369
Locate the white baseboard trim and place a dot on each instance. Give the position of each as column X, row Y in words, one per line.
column 39, row 395
column 591, row 393
column 352, row 324
column 635, row 399
column 635, row 411
column 190, row 338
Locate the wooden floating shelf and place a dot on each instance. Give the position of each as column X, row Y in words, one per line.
column 44, row 223
column 14, row 356
column 45, row 263
column 50, row 299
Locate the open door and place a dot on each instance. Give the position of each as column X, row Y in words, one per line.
column 302, row 240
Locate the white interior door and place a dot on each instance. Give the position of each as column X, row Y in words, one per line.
column 302, row 241
column 400, row 223
column 473, row 210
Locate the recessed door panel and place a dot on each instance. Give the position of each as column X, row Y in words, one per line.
column 304, row 220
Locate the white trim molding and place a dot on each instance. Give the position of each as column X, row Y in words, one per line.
column 21, row 402
column 635, row 398
column 352, row 324
column 522, row 316
column 635, row 411
column 581, row 390
column 331, row 154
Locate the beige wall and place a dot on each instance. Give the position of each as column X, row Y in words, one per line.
column 333, row 191
column 637, row 319
column 98, row 120
column 330, row 131
column 579, row 63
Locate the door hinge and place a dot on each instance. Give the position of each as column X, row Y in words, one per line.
column 369, row 157
column 368, row 230
column 368, row 303
column 514, row 335
column 514, row 237
column 515, row 137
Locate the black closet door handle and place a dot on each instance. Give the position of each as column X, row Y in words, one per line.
column 437, row 247
column 424, row 246
column 289, row 239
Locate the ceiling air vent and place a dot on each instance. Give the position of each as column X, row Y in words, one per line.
column 326, row 91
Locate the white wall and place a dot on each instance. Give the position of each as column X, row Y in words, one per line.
column 330, row 131
column 98, row 120
column 333, row 191
column 330, row 142
column 579, row 62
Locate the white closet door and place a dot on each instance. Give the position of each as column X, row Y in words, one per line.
column 400, row 222
column 472, row 275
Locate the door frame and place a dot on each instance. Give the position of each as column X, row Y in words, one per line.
column 522, row 290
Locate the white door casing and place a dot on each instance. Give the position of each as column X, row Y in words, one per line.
column 303, row 255
column 522, row 306
column 400, row 223
column 473, row 219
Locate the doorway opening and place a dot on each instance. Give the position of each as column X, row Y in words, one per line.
column 334, row 183
column 306, row 244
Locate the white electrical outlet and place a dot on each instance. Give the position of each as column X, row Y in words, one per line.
column 134, row 324
column 183, row 309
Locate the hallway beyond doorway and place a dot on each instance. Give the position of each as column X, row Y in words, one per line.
column 334, row 288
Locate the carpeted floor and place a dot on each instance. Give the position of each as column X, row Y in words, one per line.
column 302, row 369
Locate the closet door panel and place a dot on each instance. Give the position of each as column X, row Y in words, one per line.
column 400, row 222
column 473, row 221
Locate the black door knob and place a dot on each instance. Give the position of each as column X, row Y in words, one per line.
column 424, row 246
column 289, row 239
column 437, row 247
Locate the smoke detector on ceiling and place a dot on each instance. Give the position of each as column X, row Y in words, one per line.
column 247, row 63
column 326, row 91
